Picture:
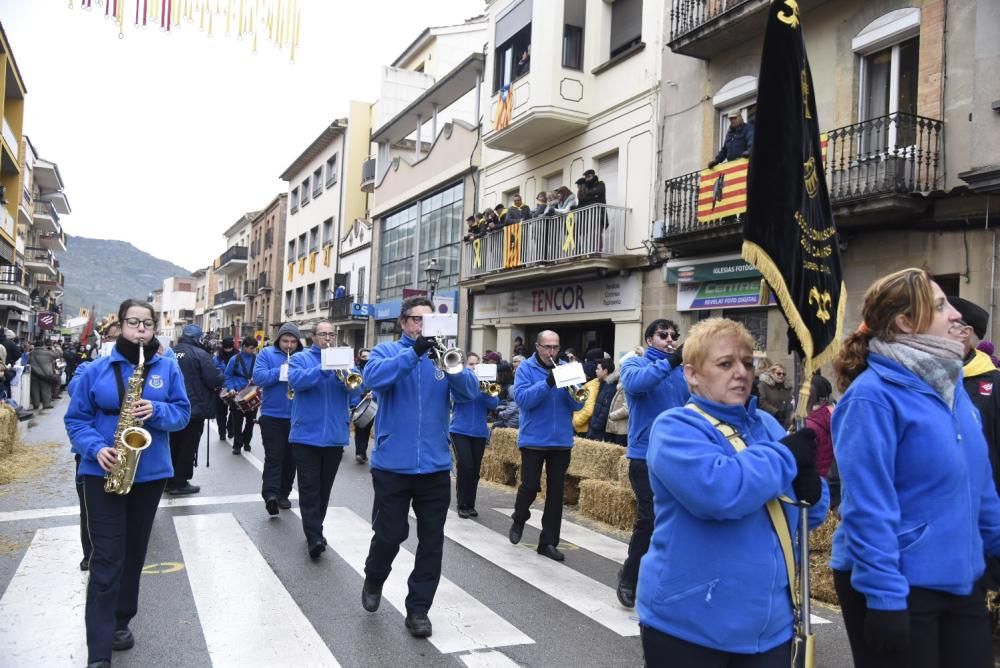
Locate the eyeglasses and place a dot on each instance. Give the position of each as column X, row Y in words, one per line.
column 324, row 335
column 148, row 323
column 673, row 336
column 779, row 373
column 415, row 318
column 543, row 347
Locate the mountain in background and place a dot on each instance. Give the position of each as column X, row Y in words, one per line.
column 105, row 272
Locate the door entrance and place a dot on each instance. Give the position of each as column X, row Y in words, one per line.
column 581, row 337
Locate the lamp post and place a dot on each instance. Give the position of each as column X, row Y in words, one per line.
column 433, row 274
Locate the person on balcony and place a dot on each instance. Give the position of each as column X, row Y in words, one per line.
column 738, row 142
column 541, row 205
column 523, row 63
column 567, row 201
column 592, row 189
column 340, row 292
column 519, row 211
column 476, row 225
column 501, row 213
column 492, row 220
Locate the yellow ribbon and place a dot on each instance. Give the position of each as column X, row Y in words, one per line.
column 291, row 270
column 302, row 265
column 569, row 243
column 477, row 247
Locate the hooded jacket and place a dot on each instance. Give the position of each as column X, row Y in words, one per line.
column 238, row 375
column 201, row 377
column 92, row 416
column 651, row 387
column 618, row 413
column 468, row 418
column 982, row 382
column 411, row 426
column 602, row 407
column 222, row 358
column 919, row 505
column 267, row 372
column 715, row 574
column 546, row 412
column 321, row 407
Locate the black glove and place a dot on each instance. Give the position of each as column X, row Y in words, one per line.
column 712, row 163
column 422, row 345
column 675, row 357
column 551, row 379
column 887, row 631
column 746, row 154
column 806, row 484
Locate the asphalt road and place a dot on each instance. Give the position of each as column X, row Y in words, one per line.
column 225, row 584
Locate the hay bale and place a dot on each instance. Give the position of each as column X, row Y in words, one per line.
column 607, row 502
column 821, row 576
column 497, row 470
column 8, row 430
column 571, row 491
column 503, row 445
column 622, row 473
column 595, row 460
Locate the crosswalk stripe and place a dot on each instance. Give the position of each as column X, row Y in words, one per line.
column 489, row 659
column 461, row 623
column 564, row 584
column 581, row 536
column 247, row 615
column 47, row 581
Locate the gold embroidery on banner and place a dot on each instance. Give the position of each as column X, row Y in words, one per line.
column 805, row 94
column 823, row 301
column 791, row 20
column 810, row 177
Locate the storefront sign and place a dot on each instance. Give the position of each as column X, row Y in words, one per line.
column 361, row 311
column 613, row 294
column 444, row 302
column 719, row 294
column 701, row 270
column 46, row 320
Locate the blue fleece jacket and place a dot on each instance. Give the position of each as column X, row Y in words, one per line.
column 92, row 416
column 274, row 402
column 651, row 387
column 321, row 407
column 714, row 574
column 468, row 418
column 236, row 379
column 919, row 504
column 411, row 426
column 546, row 412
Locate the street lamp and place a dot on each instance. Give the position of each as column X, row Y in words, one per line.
column 433, row 273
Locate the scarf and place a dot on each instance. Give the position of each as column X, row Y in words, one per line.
column 935, row 359
column 130, row 350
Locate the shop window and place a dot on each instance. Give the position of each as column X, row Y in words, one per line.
column 753, row 319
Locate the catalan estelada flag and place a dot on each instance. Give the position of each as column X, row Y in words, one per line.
column 505, row 108
column 722, row 191
column 512, row 246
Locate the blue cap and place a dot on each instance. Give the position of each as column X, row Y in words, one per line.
column 192, row 331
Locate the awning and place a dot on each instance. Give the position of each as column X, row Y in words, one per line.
column 703, row 269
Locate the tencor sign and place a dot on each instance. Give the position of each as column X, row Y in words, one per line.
column 612, row 294
column 703, row 270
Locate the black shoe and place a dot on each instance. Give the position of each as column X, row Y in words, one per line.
column 551, row 552
column 284, row 504
column 626, row 592
column 231, row 434
column 272, row 505
column 85, row 564
column 358, row 459
column 236, row 449
column 418, row 625
column 371, row 595
column 464, row 513
column 316, row 549
column 123, row 640
column 473, row 512
column 187, row 488
column 247, row 447
column 516, row 529
column 222, row 435
column 103, row 663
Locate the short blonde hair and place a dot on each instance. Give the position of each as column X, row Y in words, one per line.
column 700, row 337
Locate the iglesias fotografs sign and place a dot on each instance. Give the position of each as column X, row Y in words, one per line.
column 726, row 281
column 583, row 297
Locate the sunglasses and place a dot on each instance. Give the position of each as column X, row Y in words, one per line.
column 673, row 336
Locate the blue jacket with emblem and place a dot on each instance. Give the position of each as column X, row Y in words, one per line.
column 919, row 505
column 411, row 426
column 267, row 371
column 238, row 375
column 468, row 418
column 651, row 387
column 92, row 416
column 715, row 574
column 546, row 412
column 321, row 407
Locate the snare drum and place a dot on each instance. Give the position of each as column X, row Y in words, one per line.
column 364, row 412
column 248, row 399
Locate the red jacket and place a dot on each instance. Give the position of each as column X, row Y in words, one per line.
column 819, row 421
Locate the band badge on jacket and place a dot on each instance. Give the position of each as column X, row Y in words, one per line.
column 156, row 381
column 986, row 387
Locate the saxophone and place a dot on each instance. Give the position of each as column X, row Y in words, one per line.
column 130, row 438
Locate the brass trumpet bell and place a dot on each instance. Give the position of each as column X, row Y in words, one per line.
column 490, row 388
column 349, row 378
column 579, row 393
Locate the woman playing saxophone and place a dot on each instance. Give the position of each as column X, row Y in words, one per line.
column 119, row 524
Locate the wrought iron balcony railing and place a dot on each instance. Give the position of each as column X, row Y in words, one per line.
column 688, row 15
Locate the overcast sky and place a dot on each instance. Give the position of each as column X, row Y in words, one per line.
column 165, row 140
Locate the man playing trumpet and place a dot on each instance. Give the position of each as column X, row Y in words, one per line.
column 469, row 433
column 545, row 436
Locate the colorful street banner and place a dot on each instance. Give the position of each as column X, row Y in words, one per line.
column 722, row 191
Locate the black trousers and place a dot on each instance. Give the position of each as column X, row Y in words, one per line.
column 242, row 426
column 469, row 457
column 556, row 462
column 317, row 468
column 184, row 449
column 119, row 527
column 279, row 460
column 430, row 494
column 946, row 631
column 84, row 533
column 361, row 437
column 223, row 417
column 642, row 531
column 662, row 649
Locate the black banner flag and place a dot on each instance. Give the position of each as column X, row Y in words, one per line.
column 789, row 233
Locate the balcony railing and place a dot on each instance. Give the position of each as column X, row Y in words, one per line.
column 233, row 254
column 898, row 153
column 9, row 136
column 225, row 296
column 185, row 314
column 43, row 208
column 39, row 255
column 11, row 276
column 263, row 283
column 368, row 175
column 597, row 230
column 688, row 15
column 249, row 289
column 341, row 307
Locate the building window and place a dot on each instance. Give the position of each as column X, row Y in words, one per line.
column 888, row 87
column 304, row 192
column 328, row 232
column 310, row 296
column 324, row 290
column 291, row 251
column 300, row 301
column 553, row 181
column 317, row 182
column 359, row 294
column 626, row 25
column 396, row 257
column 512, row 57
column 302, row 245
column 755, row 320
column 574, row 15
column 331, row 170
column 440, row 232
column 314, row 239
column 293, row 203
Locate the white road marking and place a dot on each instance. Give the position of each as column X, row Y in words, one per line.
column 461, row 623
column 42, row 611
column 818, row 620
column 574, row 589
column 246, row 614
column 489, row 659
column 581, row 536
column 253, row 459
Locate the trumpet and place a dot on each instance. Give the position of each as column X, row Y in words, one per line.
column 489, row 387
column 449, row 360
column 349, row 378
column 579, row 393
column 290, row 393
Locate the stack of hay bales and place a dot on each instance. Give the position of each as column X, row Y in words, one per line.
column 8, row 429
column 821, row 577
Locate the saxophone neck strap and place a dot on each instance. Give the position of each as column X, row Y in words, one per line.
column 117, row 366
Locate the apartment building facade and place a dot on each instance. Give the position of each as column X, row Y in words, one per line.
column 906, row 94
column 265, row 269
column 204, row 295
column 227, row 315
column 175, row 304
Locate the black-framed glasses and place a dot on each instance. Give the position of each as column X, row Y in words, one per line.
column 415, row 318
column 324, row 335
column 148, row 323
column 673, row 336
